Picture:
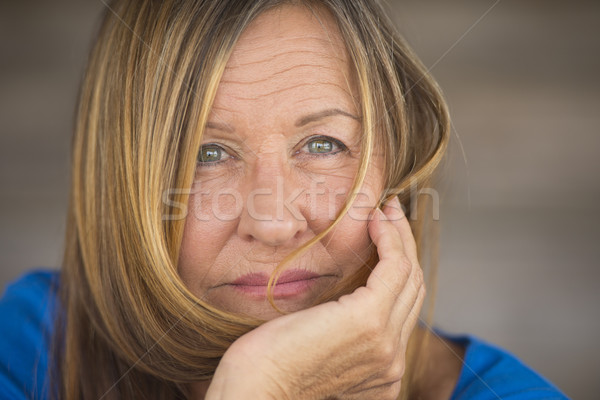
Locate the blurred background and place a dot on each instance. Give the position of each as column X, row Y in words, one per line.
column 520, row 218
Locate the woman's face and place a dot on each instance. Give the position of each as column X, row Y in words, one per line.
column 279, row 155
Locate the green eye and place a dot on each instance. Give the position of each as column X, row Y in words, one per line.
column 325, row 145
column 320, row 146
column 211, row 154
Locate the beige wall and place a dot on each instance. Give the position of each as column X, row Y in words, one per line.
column 520, row 220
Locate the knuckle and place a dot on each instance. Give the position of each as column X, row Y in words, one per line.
column 387, row 352
column 396, row 371
column 404, row 264
column 395, row 389
column 418, row 280
column 420, row 276
column 390, row 392
column 375, row 325
column 373, row 317
column 403, row 270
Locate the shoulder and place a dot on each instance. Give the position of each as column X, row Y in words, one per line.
column 489, row 372
column 28, row 301
column 27, row 314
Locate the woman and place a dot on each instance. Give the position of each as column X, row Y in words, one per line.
column 236, row 226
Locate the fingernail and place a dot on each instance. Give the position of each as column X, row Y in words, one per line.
column 395, row 211
column 381, row 215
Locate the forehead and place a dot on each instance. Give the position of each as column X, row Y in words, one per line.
column 288, row 55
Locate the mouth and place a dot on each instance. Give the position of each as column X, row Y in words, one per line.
column 291, row 283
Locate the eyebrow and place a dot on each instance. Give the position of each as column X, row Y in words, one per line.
column 323, row 114
column 300, row 122
column 218, row 126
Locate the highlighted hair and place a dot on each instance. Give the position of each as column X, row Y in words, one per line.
column 130, row 327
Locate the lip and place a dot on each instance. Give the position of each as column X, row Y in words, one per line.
column 291, row 283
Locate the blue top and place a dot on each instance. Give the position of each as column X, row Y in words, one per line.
column 490, row 373
column 26, row 320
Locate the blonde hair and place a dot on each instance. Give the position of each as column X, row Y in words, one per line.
column 131, row 328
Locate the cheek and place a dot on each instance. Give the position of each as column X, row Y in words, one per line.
column 349, row 244
column 351, row 241
column 208, row 226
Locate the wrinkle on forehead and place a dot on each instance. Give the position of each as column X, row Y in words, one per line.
column 274, row 74
column 273, row 53
column 289, row 27
column 285, row 58
column 327, row 48
column 285, row 88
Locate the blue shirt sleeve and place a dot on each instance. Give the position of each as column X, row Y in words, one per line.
column 26, row 323
column 490, row 373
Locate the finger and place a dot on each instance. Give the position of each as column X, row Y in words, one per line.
column 412, row 318
column 408, row 297
column 395, row 214
column 408, row 304
column 394, row 267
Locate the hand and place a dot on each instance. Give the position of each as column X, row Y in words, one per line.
column 352, row 348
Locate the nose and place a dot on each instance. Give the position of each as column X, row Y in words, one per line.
column 271, row 215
